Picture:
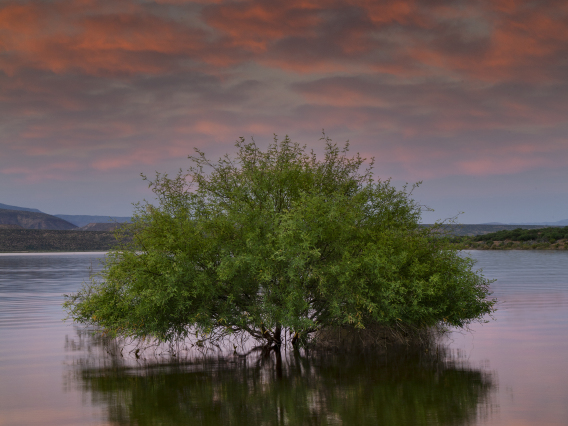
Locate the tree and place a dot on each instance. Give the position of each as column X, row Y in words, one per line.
column 278, row 241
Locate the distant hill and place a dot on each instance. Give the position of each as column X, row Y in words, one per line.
column 11, row 226
column 24, row 209
column 481, row 229
column 563, row 222
column 107, row 227
column 33, row 220
column 83, row 220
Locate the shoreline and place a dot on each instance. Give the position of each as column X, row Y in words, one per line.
column 505, row 246
column 511, row 249
column 53, row 241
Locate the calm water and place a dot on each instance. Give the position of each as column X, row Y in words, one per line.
column 512, row 371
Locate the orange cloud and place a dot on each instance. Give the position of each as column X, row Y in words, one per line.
column 522, row 41
column 116, row 84
column 493, row 41
column 253, row 25
column 67, row 36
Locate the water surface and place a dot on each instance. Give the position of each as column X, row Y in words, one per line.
column 527, row 345
column 511, row 371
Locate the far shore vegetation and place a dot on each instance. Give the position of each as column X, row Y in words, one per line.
column 551, row 238
column 41, row 240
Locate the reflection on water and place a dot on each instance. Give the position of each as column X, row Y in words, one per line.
column 512, row 371
column 405, row 387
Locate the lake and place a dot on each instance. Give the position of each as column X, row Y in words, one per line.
column 510, row 371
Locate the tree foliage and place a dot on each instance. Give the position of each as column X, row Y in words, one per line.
column 278, row 240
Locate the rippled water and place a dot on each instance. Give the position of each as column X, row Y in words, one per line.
column 527, row 346
column 32, row 339
column 511, row 371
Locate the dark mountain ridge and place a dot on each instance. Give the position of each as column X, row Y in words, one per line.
column 33, row 220
column 24, row 209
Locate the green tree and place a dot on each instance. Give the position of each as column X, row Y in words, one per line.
column 273, row 241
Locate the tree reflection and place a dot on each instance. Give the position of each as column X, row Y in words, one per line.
column 404, row 386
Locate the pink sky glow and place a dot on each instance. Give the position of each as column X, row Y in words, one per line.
column 463, row 95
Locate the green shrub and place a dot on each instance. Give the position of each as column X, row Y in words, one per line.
column 278, row 240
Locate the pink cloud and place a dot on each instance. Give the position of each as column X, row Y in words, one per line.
column 124, row 84
column 57, row 171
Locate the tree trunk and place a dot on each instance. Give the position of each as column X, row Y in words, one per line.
column 278, row 336
column 278, row 362
column 295, row 338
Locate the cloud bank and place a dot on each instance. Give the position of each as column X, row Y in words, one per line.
column 433, row 89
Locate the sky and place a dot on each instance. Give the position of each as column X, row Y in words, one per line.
column 469, row 97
